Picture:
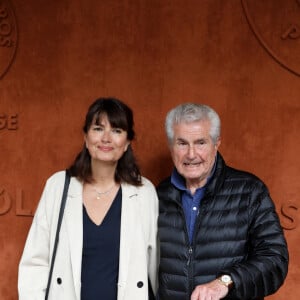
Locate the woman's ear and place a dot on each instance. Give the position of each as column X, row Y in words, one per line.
column 85, row 141
column 126, row 146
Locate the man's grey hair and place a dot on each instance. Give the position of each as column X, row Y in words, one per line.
column 192, row 112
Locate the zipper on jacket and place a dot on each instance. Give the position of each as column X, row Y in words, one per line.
column 190, row 253
column 190, row 268
column 190, row 249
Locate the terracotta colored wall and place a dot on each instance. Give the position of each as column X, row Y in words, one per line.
column 56, row 57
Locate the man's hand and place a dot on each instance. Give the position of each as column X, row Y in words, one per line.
column 213, row 290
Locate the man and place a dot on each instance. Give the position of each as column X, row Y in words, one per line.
column 220, row 236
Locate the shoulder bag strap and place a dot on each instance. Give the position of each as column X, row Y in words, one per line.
column 61, row 213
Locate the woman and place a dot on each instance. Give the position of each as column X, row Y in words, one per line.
column 107, row 244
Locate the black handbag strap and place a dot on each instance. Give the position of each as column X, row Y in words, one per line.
column 60, row 217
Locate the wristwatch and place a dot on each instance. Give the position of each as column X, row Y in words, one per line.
column 226, row 280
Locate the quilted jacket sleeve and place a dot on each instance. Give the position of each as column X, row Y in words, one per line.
column 266, row 266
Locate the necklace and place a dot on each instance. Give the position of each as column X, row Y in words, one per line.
column 99, row 194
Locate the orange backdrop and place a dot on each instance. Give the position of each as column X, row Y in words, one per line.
column 241, row 57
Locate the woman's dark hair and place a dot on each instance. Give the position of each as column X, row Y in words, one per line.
column 119, row 116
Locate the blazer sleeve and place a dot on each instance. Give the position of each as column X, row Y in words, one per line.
column 34, row 263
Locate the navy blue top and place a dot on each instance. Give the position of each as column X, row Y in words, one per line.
column 100, row 256
column 190, row 203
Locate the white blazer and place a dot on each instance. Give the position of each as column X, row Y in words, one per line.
column 138, row 249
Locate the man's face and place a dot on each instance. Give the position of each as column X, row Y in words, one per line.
column 193, row 152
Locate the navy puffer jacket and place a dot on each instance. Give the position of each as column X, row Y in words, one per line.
column 237, row 232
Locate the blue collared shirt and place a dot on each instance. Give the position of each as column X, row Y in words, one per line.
column 190, row 203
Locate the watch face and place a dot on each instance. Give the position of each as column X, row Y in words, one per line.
column 226, row 278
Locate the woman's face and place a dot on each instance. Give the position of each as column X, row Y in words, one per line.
column 106, row 143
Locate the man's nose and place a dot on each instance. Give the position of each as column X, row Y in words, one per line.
column 191, row 152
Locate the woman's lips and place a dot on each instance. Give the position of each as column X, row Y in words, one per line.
column 105, row 149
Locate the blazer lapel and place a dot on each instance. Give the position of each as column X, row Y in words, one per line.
column 128, row 223
column 73, row 217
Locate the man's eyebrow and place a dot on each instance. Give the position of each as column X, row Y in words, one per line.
column 179, row 139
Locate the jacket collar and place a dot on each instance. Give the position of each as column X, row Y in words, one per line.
column 218, row 177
